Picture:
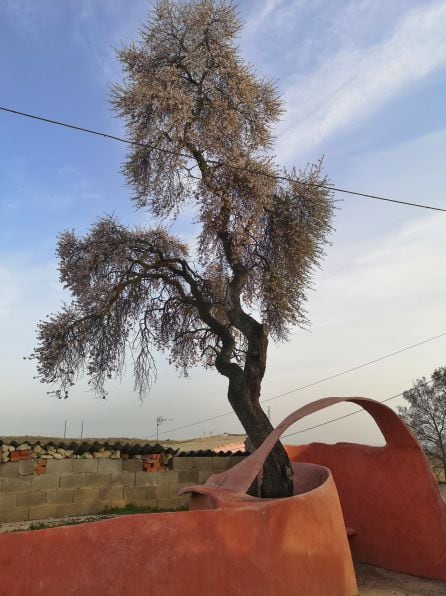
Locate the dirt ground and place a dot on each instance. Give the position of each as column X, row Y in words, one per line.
column 375, row 581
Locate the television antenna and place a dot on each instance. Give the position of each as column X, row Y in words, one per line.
column 161, row 420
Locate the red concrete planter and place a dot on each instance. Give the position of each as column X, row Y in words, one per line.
column 243, row 547
column 229, row 544
column 232, row 544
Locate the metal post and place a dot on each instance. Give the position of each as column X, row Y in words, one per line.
column 160, row 420
column 65, row 430
column 82, row 429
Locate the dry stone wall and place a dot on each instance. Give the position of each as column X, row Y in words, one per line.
column 33, row 489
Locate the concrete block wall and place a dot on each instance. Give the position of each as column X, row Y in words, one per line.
column 87, row 486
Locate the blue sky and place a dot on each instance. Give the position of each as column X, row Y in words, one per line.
column 364, row 85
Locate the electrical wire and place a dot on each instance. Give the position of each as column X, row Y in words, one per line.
column 420, row 343
column 302, row 387
column 338, row 418
column 233, row 167
column 303, row 430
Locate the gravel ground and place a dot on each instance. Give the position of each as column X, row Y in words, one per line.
column 375, row 581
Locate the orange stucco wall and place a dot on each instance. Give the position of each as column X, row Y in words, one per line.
column 389, row 496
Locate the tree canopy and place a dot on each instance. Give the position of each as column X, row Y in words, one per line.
column 200, row 124
column 426, row 416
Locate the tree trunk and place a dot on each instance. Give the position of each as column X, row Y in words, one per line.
column 244, row 397
column 277, row 473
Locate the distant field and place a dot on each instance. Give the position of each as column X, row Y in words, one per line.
column 193, row 444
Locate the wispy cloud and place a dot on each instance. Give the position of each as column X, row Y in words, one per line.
column 357, row 81
column 260, row 15
column 100, row 27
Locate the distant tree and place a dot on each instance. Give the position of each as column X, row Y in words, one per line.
column 426, row 416
column 200, row 122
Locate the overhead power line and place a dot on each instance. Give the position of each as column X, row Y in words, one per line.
column 420, row 343
column 303, row 430
column 302, row 387
column 233, row 167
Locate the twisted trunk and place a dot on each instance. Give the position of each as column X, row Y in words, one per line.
column 277, row 476
column 244, row 397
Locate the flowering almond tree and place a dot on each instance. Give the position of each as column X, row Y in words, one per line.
column 200, row 121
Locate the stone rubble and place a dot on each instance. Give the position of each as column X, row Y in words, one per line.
column 37, row 451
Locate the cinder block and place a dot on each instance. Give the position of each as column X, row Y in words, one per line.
column 160, row 492
column 167, row 477
column 131, row 465
column 145, row 503
column 203, row 463
column 59, row 496
column 79, row 509
column 99, row 479
column 236, row 459
column 7, row 502
column 59, row 466
column 174, row 489
column 43, row 511
column 45, row 482
column 123, row 479
column 171, row 503
column 85, row 465
column 182, row 463
column 31, row 498
column 203, row 475
column 116, row 504
column 15, row 485
column 86, row 495
column 221, row 463
column 190, row 476
column 184, row 500
column 73, row 480
column 144, row 478
column 135, row 493
column 111, row 493
column 13, row 515
column 26, row 467
column 110, row 465
column 9, row 470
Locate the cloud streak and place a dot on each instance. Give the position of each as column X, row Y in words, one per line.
column 356, row 82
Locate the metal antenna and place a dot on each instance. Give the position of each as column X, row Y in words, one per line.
column 161, row 420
